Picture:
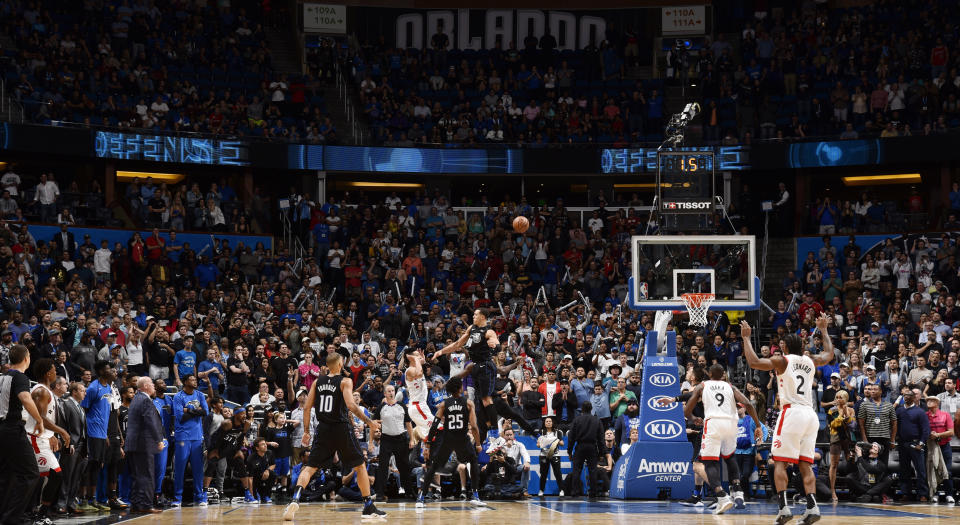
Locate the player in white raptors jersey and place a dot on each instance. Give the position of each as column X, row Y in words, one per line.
column 719, row 441
column 46, row 444
column 795, row 436
column 417, row 389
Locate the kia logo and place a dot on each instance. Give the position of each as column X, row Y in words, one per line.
column 663, row 429
column 652, row 403
column 663, row 379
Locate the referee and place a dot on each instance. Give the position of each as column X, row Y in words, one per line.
column 395, row 441
column 18, row 464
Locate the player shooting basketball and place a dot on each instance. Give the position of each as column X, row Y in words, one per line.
column 796, row 434
column 480, row 340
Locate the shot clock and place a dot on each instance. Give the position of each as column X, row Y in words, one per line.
column 685, row 181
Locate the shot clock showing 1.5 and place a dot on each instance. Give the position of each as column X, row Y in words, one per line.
column 686, row 175
column 687, row 163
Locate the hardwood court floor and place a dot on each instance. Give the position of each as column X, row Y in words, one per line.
column 535, row 512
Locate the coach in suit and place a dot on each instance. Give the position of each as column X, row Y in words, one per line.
column 72, row 418
column 144, row 439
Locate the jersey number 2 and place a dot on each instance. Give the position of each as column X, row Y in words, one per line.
column 800, row 386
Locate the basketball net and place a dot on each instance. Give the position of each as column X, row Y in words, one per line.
column 697, row 306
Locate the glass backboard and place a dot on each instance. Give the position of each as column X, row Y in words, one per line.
column 667, row 266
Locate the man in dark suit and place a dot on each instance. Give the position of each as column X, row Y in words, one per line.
column 584, row 443
column 71, row 417
column 144, row 439
column 64, row 241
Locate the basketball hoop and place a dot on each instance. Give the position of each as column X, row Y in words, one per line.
column 697, row 305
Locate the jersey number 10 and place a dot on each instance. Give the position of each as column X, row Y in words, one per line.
column 325, row 404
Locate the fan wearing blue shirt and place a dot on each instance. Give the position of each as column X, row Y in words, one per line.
column 98, row 405
column 210, row 373
column 189, row 409
column 185, row 360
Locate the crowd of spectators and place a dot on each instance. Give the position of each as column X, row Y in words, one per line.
column 877, row 70
column 895, row 327
column 873, row 212
column 180, row 207
column 207, row 67
column 255, row 326
column 163, row 66
column 529, row 92
column 188, row 207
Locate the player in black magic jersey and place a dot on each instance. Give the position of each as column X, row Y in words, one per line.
column 332, row 397
column 480, row 341
column 456, row 414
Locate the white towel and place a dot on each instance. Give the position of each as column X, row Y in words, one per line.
column 936, row 466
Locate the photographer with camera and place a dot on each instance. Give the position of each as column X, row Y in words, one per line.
column 517, row 452
column 870, row 482
column 500, row 474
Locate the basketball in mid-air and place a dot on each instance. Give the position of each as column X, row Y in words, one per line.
column 520, row 224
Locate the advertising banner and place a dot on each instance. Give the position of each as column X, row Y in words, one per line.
column 657, row 466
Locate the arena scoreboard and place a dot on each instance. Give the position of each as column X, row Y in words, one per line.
column 685, row 181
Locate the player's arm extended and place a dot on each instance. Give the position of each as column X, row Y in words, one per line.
column 692, row 402
column 506, row 368
column 467, row 370
column 450, row 348
column 827, row 355
column 754, row 361
column 435, row 426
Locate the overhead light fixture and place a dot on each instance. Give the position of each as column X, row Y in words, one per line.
column 635, row 186
column 384, row 185
column 871, row 180
column 169, row 178
column 646, row 185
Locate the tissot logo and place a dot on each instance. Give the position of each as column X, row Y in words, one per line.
column 663, row 379
column 663, row 429
column 671, row 205
column 652, row 403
